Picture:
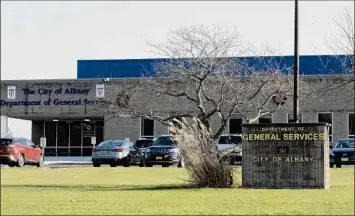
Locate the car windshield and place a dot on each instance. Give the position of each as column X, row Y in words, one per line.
column 167, row 141
column 345, row 144
column 142, row 143
column 110, row 143
column 230, row 140
column 5, row 141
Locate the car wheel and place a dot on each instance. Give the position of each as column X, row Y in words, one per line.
column 141, row 164
column 20, row 161
column 96, row 164
column 338, row 165
column 11, row 164
column 127, row 162
column 113, row 165
column 331, row 165
column 40, row 161
column 165, row 165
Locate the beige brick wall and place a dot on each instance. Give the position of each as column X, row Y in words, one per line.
column 335, row 101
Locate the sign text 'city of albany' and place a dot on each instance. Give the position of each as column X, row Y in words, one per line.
column 43, row 91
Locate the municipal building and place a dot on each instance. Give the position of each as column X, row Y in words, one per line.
column 68, row 113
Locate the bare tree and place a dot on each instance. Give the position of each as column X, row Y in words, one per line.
column 342, row 45
column 202, row 77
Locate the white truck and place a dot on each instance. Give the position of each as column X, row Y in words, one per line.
column 231, row 147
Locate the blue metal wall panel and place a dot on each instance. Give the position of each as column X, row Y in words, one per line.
column 131, row 68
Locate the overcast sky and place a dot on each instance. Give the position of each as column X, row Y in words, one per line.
column 43, row 40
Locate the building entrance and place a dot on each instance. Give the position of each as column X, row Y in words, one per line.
column 68, row 138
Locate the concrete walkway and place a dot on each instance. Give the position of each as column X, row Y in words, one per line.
column 67, row 160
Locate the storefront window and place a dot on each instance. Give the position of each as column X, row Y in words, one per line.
column 147, row 127
column 327, row 118
column 88, row 132
column 266, row 119
column 235, row 124
column 76, row 133
column 51, row 134
column 291, row 119
column 63, row 134
column 70, row 138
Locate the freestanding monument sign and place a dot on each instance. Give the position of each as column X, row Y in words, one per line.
column 294, row 155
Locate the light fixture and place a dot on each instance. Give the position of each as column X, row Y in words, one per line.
column 55, row 119
column 86, row 119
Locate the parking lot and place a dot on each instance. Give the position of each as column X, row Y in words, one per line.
column 69, row 165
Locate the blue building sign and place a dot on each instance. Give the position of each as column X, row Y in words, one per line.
column 43, row 91
column 53, row 102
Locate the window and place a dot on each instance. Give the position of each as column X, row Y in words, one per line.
column 327, row 118
column 76, row 133
column 88, row 132
column 345, row 144
column 29, row 143
column 290, row 118
column 147, row 128
column 99, row 131
column 143, row 143
column 229, row 140
column 110, row 143
column 235, row 124
column 351, row 125
column 266, row 118
column 21, row 141
column 51, row 134
column 164, row 141
column 37, row 126
column 63, row 134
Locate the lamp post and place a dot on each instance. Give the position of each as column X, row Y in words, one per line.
column 296, row 68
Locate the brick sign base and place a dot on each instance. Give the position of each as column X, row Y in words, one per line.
column 294, row 155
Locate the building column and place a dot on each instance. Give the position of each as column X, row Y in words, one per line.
column 4, row 126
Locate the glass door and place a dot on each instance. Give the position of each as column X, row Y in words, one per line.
column 75, row 138
column 88, row 132
column 63, row 138
column 50, row 132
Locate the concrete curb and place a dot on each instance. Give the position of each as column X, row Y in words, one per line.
column 66, row 163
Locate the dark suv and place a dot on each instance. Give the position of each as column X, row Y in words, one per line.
column 163, row 151
column 342, row 153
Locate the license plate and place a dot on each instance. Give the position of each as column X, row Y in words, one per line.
column 159, row 158
column 344, row 159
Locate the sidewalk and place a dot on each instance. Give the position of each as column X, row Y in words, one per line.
column 67, row 160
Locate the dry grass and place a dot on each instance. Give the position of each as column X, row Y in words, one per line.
column 200, row 154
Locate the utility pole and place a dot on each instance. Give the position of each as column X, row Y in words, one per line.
column 296, row 68
column 354, row 46
column 354, row 42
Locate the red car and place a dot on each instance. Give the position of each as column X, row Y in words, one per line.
column 19, row 152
